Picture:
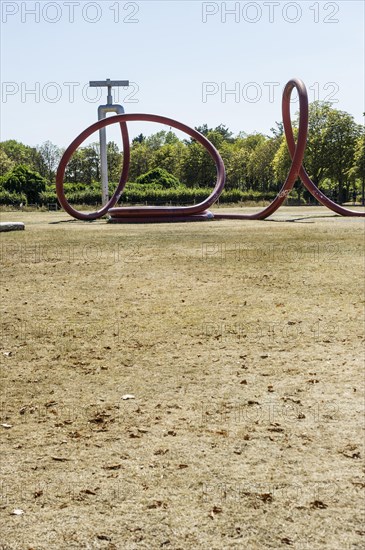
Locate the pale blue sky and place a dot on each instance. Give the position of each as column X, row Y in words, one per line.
column 171, row 54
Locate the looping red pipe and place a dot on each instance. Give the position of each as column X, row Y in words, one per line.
column 198, row 211
column 119, row 190
column 297, row 152
column 160, row 213
column 309, row 184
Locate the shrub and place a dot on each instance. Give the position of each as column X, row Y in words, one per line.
column 23, row 180
column 15, row 199
column 48, row 197
column 159, row 176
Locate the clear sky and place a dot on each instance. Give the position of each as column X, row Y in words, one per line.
column 183, row 58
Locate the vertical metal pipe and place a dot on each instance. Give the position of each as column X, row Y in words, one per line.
column 103, row 159
column 102, row 111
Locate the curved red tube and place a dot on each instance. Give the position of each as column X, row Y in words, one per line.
column 297, row 156
column 113, row 200
column 296, row 152
column 310, row 185
column 137, row 212
column 198, row 211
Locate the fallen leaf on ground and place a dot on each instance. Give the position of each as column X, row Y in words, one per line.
column 287, row 540
column 88, row 492
column 112, row 467
column 351, row 451
column 157, row 504
column 318, row 504
column 215, row 510
column 161, row 452
column 265, row 497
column 50, row 404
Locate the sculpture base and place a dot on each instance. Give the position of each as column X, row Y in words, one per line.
column 118, row 217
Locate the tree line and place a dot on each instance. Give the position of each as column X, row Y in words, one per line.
column 334, row 159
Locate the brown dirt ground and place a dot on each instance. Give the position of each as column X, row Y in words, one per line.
column 242, row 344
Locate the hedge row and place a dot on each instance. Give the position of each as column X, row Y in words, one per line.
column 181, row 195
column 133, row 195
column 15, row 199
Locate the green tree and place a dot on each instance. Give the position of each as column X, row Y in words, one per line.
column 171, row 138
column 251, row 141
column 140, row 160
column 260, row 165
column 155, row 141
column 236, row 158
column 330, row 147
column 198, row 169
column 23, row 180
column 329, row 156
column 357, row 171
column 139, row 139
column 6, row 164
column 238, row 174
column 277, row 130
column 222, row 130
column 281, row 164
column 50, row 156
column 90, row 163
column 114, row 161
column 341, row 135
column 359, row 157
column 74, row 171
column 318, row 154
column 21, row 154
column 168, row 157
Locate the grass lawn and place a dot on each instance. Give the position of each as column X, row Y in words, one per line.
column 240, row 347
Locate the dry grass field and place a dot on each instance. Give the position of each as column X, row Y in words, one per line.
column 182, row 386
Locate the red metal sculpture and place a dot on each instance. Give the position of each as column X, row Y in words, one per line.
column 199, row 211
